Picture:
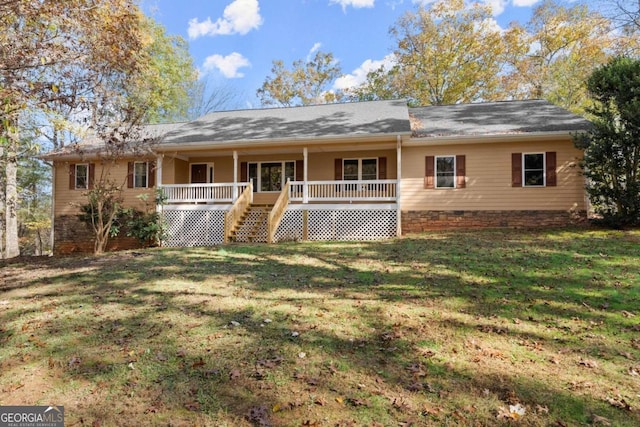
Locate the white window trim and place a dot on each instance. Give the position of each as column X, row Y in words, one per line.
column 544, row 170
column 86, row 187
column 210, row 171
column 360, row 159
column 258, row 183
column 147, row 174
column 435, row 172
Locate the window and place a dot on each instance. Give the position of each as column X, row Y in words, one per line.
column 271, row 176
column 140, row 174
column 445, row 172
column 82, row 176
column 360, row 169
column 533, row 170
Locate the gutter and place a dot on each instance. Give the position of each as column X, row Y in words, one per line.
column 281, row 142
column 486, row 139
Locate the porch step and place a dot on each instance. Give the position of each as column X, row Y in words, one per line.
column 253, row 225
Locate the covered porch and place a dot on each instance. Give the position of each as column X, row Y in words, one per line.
column 303, row 193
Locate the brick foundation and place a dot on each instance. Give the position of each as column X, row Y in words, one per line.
column 75, row 236
column 417, row 221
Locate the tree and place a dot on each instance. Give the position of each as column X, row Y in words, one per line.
column 612, row 147
column 447, row 53
column 34, row 211
column 307, row 82
column 83, row 64
column 206, row 97
column 379, row 84
column 42, row 44
column 552, row 56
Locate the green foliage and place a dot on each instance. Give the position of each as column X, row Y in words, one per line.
column 148, row 227
column 612, row 147
column 103, row 212
column 307, row 82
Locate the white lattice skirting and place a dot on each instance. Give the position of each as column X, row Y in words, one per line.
column 347, row 224
column 194, row 227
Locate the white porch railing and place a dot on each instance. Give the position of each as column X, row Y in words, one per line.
column 203, row 193
column 382, row 190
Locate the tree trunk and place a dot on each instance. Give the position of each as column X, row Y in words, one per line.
column 2, row 198
column 12, row 247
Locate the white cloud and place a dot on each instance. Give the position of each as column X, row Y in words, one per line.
column 524, row 3
column 316, row 47
column 356, row 4
column 359, row 75
column 239, row 17
column 227, row 65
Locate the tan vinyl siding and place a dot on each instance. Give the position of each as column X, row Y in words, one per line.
column 67, row 201
column 320, row 168
column 488, row 179
column 321, row 165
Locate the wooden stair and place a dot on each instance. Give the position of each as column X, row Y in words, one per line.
column 252, row 227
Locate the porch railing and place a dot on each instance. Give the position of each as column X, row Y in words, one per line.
column 362, row 190
column 232, row 217
column 203, row 193
column 277, row 212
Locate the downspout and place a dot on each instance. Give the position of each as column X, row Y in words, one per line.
column 399, row 185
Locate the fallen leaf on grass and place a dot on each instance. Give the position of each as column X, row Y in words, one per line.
column 619, row 402
column 234, row 374
column 600, row 421
column 192, row 406
column 74, row 362
column 542, row 409
column 259, row 415
column 161, row 357
column 588, row 363
column 515, row 412
column 633, row 371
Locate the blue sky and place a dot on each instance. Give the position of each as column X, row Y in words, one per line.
column 233, row 42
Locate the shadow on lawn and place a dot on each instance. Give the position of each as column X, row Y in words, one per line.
column 175, row 350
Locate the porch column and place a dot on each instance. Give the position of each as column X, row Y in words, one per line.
column 159, row 178
column 305, row 188
column 398, row 184
column 235, row 175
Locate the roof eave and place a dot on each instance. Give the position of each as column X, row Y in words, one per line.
column 281, row 142
column 489, row 138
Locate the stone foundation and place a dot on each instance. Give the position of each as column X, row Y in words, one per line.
column 417, row 221
column 74, row 236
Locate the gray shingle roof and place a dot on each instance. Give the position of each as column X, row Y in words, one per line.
column 493, row 118
column 318, row 121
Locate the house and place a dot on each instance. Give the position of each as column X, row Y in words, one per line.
column 353, row 171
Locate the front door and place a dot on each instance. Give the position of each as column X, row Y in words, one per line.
column 201, row 173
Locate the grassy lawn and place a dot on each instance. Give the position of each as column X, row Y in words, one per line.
column 463, row 328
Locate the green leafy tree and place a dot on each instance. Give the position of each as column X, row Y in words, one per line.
column 552, row 55
column 612, row 147
column 34, row 210
column 447, row 52
column 307, row 82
